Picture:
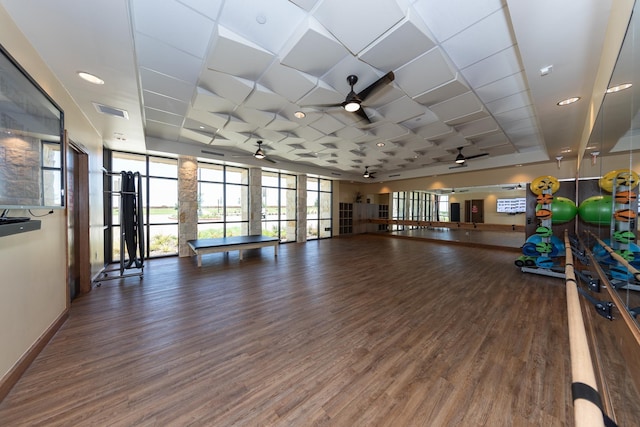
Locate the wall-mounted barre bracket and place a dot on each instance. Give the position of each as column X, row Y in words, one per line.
column 603, row 308
column 593, row 283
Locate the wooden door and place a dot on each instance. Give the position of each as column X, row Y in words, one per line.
column 77, row 196
column 477, row 211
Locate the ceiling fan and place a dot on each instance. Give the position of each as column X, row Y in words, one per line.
column 367, row 174
column 461, row 159
column 260, row 154
column 353, row 102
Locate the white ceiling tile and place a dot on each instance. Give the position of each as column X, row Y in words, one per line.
column 288, row 82
column 212, row 120
column 305, row 4
column 411, row 33
column 515, row 114
column 338, row 18
column 441, row 93
column 234, row 89
column 349, row 133
column 327, row 124
column 174, row 24
column 312, row 49
column 208, row 101
column 493, row 68
column 423, row 120
column 255, row 116
column 490, row 141
column 446, row 18
column 268, row 23
column 163, row 130
column 434, row 130
column 483, row 39
column 478, row 127
column 166, row 85
column 264, row 99
column 209, row 8
column 238, row 124
column 517, row 100
column 455, row 109
column 164, row 59
column 308, row 133
column 402, row 110
column 426, row 72
column 164, row 103
column 232, row 54
column 195, row 136
column 389, row 131
column 512, row 84
column 154, row 115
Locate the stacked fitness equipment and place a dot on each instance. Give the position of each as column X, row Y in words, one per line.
column 131, row 227
column 542, row 248
column 619, row 212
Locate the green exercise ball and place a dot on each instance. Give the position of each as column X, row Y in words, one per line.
column 596, row 210
column 562, row 209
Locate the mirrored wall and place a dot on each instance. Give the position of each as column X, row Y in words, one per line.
column 608, row 190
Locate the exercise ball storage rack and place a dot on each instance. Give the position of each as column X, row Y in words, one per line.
column 131, row 222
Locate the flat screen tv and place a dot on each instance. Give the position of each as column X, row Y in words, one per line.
column 512, row 205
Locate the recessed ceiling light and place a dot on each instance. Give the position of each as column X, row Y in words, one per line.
column 569, row 101
column 618, row 88
column 300, row 114
column 380, row 144
column 90, row 78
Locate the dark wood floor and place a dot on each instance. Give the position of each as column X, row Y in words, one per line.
column 358, row 331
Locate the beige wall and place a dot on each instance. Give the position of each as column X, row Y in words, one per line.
column 33, row 292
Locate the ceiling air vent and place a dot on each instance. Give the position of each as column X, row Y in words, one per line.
column 112, row 111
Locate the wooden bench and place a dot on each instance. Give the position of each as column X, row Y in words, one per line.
column 234, row 243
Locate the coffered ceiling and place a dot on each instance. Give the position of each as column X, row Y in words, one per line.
column 212, row 77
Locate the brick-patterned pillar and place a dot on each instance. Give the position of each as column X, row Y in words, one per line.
column 187, row 203
column 301, row 209
column 255, row 201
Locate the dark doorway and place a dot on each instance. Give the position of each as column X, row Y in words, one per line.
column 455, row 212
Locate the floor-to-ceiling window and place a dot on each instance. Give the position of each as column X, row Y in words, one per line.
column 318, row 208
column 159, row 190
column 223, row 201
column 443, row 207
column 279, row 205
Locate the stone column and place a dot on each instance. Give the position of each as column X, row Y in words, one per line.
column 255, row 201
column 301, row 208
column 187, row 203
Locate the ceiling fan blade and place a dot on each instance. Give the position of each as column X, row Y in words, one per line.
column 463, row 165
column 270, row 160
column 340, row 104
column 360, row 111
column 476, row 156
column 382, row 81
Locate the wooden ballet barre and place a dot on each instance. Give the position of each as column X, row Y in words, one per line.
column 448, row 224
column 618, row 258
column 587, row 407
